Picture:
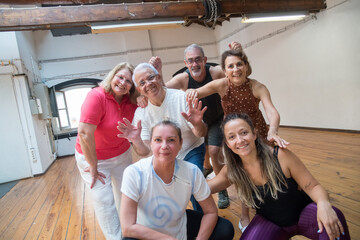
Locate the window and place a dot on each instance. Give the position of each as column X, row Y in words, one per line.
column 69, row 105
column 66, row 105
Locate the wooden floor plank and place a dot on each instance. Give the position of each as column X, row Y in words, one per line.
column 53, row 196
column 74, row 226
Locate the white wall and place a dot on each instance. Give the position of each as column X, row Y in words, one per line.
column 69, row 57
column 311, row 70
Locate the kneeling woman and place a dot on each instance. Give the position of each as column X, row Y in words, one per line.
column 287, row 198
column 157, row 189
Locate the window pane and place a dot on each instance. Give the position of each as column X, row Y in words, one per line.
column 64, row 122
column 74, row 100
column 60, row 100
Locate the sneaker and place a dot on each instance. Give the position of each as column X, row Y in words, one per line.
column 223, row 199
column 207, row 171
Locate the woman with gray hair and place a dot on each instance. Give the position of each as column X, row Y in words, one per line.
column 100, row 155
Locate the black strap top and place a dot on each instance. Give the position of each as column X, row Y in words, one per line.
column 214, row 112
column 285, row 210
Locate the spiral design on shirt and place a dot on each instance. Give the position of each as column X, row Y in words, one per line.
column 161, row 210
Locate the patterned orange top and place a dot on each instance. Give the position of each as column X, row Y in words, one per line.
column 240, row 99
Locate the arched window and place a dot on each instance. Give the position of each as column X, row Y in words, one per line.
column 66, row 99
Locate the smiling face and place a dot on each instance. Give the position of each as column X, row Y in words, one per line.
column 148, row 83
column 239, row 137
column 165, row 143
column 121, row 82
column 235, row 69
column 195, row 62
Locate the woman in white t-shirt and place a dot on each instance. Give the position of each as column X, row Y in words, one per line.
column 156, row 191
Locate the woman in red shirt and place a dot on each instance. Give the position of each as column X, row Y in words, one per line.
column 101, row 156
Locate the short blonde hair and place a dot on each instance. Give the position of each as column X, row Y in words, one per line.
column 106, row 83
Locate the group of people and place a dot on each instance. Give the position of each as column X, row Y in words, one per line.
column 205, row 110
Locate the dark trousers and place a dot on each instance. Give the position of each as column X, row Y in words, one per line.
column 223, row 230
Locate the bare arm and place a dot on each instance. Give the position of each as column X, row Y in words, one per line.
column 128, row 214
column 220, row 181
column 86, row 134
column 209, row 220
column 180, row 81
column 326, row 216
column 132, row 133
column 260, row 91
column 216, row 72
column 218, row 86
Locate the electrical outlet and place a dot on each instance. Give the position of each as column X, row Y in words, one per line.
column 33, row 155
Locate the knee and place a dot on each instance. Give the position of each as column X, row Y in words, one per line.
column 103, row 197
column 224, row 230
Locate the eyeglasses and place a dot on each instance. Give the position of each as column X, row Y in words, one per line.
column 151, row 78
column 191, row 61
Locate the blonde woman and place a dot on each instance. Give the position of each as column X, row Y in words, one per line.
column 100, row 155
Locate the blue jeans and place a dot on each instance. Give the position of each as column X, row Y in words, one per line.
column 196, row 156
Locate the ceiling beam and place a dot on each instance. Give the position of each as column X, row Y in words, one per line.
column 13, row 19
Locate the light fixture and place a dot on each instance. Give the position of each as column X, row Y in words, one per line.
column 272, row 17
column 136, row 25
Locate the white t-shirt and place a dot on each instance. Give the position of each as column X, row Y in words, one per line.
column 171, row 108
column 162, row 206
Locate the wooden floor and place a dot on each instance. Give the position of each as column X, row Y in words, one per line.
column 56, row 205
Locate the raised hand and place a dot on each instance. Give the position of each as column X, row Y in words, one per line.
column 156, row 62
column 129, row 131
column 195, row 113
column 235, row 46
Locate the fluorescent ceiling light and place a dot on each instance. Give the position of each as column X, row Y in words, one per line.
column 254, row 18
column 132, row 26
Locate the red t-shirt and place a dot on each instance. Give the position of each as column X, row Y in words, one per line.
column 101, row 109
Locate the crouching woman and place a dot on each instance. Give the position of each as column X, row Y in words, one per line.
column 156, row 191
column 287, row 198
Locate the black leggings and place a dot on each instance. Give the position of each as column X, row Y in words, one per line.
column 223, row 230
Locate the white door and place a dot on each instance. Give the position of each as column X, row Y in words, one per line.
column 14, row 156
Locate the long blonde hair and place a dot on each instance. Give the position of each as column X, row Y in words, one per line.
column 270, row 168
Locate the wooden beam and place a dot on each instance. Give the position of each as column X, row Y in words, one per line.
column 13, row 19
column 86, row 14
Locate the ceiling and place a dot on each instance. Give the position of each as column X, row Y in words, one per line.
column 79, row 15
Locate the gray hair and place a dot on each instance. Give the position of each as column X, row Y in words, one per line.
column 141, row 67
column 191, row 47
